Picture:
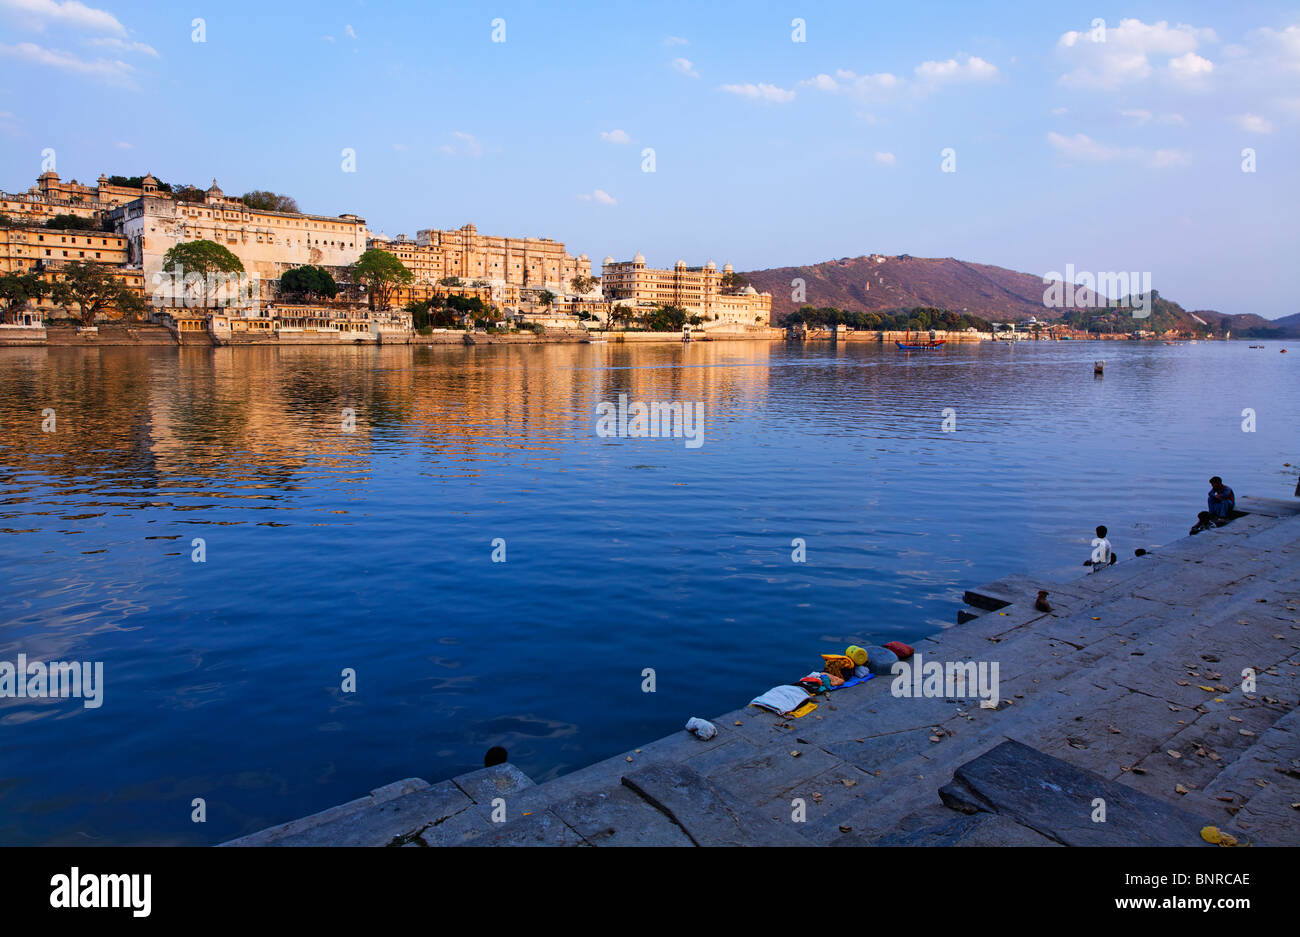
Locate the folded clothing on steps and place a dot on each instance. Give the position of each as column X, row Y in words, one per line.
column 781, row 699
column 903, row 651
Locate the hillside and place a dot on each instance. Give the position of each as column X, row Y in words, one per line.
column 879, row 283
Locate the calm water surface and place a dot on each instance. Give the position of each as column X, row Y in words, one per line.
column 372, row 550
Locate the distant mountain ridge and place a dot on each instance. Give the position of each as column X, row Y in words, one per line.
column 878, row 282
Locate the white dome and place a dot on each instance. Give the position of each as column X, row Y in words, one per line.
column 639, row 258
column 726, row 268
column 607, row 261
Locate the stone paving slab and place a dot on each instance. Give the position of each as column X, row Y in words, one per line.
column 705, row 814
column 938, row 826
column 619, row 817
column 1060, row 801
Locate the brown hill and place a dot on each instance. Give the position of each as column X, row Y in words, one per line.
column 876, row 282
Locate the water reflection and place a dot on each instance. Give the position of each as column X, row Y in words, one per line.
column 371, row 549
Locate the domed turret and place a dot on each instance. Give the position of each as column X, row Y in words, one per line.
column 607, row 261
column 150, row 184
column 726, row 268
column 680, row 265
column 214, row 191
column 639, row 258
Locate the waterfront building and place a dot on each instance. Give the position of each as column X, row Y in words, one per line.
column 266, row 242
column 480, row 260
column 703, row 291
column 32, row 248
column 44, row 251
column 51, row 196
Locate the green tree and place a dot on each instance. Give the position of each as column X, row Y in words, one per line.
column 130, row 304
column 136, row 182
column 208, row 259
column 581, row 284
column 308, row 281
column 72, row 223
column 19, row 289
column 263, row 200
column 666, row 319
column 733, row 281
column 89, row 287
column 383, row 274
column 548, row 298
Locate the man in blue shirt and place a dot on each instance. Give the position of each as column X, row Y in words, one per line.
column 1221, row 499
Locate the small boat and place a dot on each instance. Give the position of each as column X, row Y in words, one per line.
column 908, row 345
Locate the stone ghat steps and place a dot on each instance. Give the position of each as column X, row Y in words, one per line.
column 1110, row 683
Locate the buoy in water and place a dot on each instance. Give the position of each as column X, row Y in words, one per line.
column 1099, row 367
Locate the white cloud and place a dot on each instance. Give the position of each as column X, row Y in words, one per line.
column 466, row 145
column 1060, row 111
column 1125, row 56
column 1253, row 123
column 762, row 91
column 974, row 68
column 685, row 67
column 121, row 45
column 853, row 84
column 113, row 73
column 675, row 41
column 886, row 159
column 615, row 136
column 9, row 125
column 38, row 14
column 328, row 38
column 930, row 76
column 352, row 33
column 1280, row 45
column 1082, row 148
column 1190, row 70
column 1137, row 115
column 598, row 195
column 123, row 145
column 1173, row 120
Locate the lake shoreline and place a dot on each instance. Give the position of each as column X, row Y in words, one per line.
column 1091, row 707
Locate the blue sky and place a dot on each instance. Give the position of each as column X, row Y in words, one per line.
column 1121, row 152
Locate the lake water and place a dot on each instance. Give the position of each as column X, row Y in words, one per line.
column 373, row 549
